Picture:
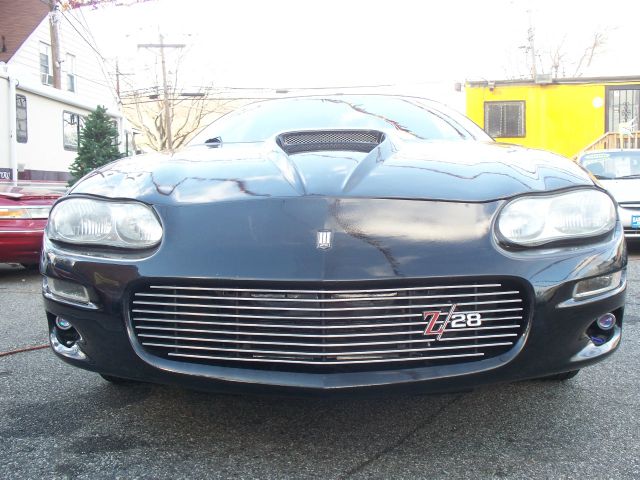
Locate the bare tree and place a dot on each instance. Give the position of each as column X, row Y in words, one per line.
column 188, row 109
column 189, row 112
column 557, row 59
column 598, row 41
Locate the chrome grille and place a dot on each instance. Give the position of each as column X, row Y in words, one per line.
column 292, row 327
column 348, row 140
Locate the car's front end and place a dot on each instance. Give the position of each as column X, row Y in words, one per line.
column 619, row 172
column 23, row 217
column 323, row 294
column 333, row 260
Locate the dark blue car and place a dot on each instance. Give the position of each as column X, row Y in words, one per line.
column 336, row 244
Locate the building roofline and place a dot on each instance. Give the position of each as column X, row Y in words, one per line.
column 555, row 81
column 61, row 96
column 18, row 22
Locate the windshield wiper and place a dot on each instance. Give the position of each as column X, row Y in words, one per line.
column 635, row 175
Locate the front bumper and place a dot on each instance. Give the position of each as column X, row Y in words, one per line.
column 557, row 338
column 555, row 343
column 631, row 228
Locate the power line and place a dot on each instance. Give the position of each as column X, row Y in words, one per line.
column 83, row 37
column 141, row 90
column 257, row 99
column 103, row 62
column 93, row 80
column 85, row 26
column 382, row 85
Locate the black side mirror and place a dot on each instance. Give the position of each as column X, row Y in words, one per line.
column 215, row 142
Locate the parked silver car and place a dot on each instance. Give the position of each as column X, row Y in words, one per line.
column 619, row 172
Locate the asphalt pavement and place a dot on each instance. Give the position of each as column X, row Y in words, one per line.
column 60, row 422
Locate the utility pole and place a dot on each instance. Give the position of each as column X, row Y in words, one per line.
column 118, row 75
column 532, row 47
column 117, row 79
column 54, row 24
column 165, row 86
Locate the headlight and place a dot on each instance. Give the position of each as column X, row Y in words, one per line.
column 96, row 222
column 531, row 221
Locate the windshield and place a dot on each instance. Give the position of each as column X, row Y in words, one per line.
column 260, row 121
column 611, row 165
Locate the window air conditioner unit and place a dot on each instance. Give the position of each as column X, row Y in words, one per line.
column 46, row 79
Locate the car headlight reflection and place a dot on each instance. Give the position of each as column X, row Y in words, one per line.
column 96, row 222
column 536, row 220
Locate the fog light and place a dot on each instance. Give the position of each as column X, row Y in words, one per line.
column 72, row 350
column 62, row 324
column 607, row 321
column 59, row 289
column 597, row 285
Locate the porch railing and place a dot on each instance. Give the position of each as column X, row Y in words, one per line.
column 613, row 140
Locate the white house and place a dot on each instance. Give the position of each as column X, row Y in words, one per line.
column 39, row 124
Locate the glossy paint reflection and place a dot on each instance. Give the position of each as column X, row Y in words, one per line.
column 449, row 171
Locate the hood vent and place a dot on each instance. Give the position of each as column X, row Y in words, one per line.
column 323, row 140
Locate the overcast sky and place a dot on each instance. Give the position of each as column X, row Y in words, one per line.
column 245, row 43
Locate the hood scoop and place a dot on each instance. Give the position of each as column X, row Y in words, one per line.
column 330, row 140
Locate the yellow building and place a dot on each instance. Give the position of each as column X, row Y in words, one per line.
column 564, row 116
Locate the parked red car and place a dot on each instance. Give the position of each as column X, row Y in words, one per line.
column 23, row 216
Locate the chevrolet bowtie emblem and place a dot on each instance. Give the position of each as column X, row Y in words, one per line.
column 324, row 239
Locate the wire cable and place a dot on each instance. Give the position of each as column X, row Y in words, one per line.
column 111, row 84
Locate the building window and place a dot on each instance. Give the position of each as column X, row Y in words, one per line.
column 504, row 119
column 45, row 64
column 71, row 125
column 21, row 119
column 70, row 69
column 623, row 107
column 129, row 143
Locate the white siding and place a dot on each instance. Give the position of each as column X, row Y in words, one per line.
column 92, row 84
column 44, row 149
column 4, row 124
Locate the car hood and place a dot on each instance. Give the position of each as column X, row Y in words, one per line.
column 623, row 190
column 466, row 171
